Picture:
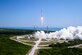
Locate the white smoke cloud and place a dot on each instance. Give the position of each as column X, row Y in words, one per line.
column 65, row 33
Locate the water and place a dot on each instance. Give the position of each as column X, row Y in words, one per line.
column 35, row 28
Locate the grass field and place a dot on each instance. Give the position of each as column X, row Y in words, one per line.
column 10, row 47
column 62, row 49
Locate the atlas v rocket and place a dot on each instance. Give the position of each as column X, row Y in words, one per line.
column 42, row 18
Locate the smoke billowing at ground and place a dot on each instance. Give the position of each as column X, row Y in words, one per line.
column 65, row 33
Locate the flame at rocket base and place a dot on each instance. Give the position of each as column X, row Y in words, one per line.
column 42, row 20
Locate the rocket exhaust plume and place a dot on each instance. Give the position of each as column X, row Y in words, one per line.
column 65, row 33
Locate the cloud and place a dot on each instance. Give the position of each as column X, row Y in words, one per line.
column 65, row 33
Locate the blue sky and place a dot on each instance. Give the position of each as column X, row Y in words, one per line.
column 26, row 13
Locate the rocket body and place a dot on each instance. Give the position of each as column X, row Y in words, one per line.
column 42, row 18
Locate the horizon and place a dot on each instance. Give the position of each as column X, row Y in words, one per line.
column 27, row 13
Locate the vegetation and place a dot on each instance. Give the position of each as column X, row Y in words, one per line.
column 62, row 49
column 66, row 44
column 10, row 47
column 30, row 43
column 16, row 31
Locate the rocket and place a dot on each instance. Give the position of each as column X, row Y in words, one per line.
column 42, row 18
